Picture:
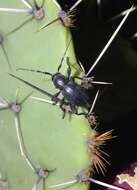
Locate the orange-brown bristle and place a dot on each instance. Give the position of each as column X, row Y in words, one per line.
column 95, row 142
column 83, row 175
column 92, row 119
column 67, row 18
column 68, row 21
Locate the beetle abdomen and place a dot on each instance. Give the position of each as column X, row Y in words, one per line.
column 76, row 95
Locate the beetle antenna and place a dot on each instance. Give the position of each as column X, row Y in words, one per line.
column 35, row 87
column 36, row 71
column 62, row 59
column 110, row 40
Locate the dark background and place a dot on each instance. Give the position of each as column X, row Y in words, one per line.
column 117, row 107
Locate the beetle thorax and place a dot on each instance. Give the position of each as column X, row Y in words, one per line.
column 59, row 80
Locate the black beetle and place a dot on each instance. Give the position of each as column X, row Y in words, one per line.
column 74, row 95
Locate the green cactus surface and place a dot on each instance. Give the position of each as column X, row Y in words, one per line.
column 52, row 143
column 39, row 149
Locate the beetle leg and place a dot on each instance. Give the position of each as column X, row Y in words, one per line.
column 74, row 109
column 62, row 106
column 81, row 113
column 65, row 107
column 92, row 119
column 87, row 82
column 64, row 113
column 62, row 102
column 57, row 94
column 55, row 98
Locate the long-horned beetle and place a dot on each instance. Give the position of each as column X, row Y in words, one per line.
column 74, row 95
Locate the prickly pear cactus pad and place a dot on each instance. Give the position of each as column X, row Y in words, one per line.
column 54, row 150
column 40, row 147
